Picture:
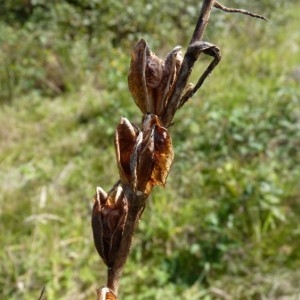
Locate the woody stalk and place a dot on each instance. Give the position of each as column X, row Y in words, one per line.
column 145, row 154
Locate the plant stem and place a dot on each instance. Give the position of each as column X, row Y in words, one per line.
column 202, row 21
column 188, row 63
column 136, row 206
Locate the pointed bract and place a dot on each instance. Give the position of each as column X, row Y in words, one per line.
column 163, row 156
column 136, row 77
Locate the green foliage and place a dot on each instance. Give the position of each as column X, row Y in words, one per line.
column 54, row 46
column 225, row 226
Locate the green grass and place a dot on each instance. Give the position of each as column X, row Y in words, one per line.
column 225, row 226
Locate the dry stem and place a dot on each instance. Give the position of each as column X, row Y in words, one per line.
column 135, row 209
column 188, row 62
column 137, row 203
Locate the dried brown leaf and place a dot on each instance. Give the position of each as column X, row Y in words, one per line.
column 163, row 155
column 153, row 156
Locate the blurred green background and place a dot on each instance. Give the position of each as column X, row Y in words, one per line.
column 227, row 224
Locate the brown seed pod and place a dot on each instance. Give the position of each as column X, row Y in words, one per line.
column 151, row 79
column 108, row 220
column 154, row 157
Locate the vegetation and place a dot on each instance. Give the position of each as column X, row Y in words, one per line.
column 225, row 226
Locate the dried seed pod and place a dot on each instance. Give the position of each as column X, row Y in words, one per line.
column 154, row 157
column 151, row 79
column 171, row 68
column 108, row 220
column 144, row 156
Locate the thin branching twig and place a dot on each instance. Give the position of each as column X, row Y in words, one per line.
column 42, row 293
